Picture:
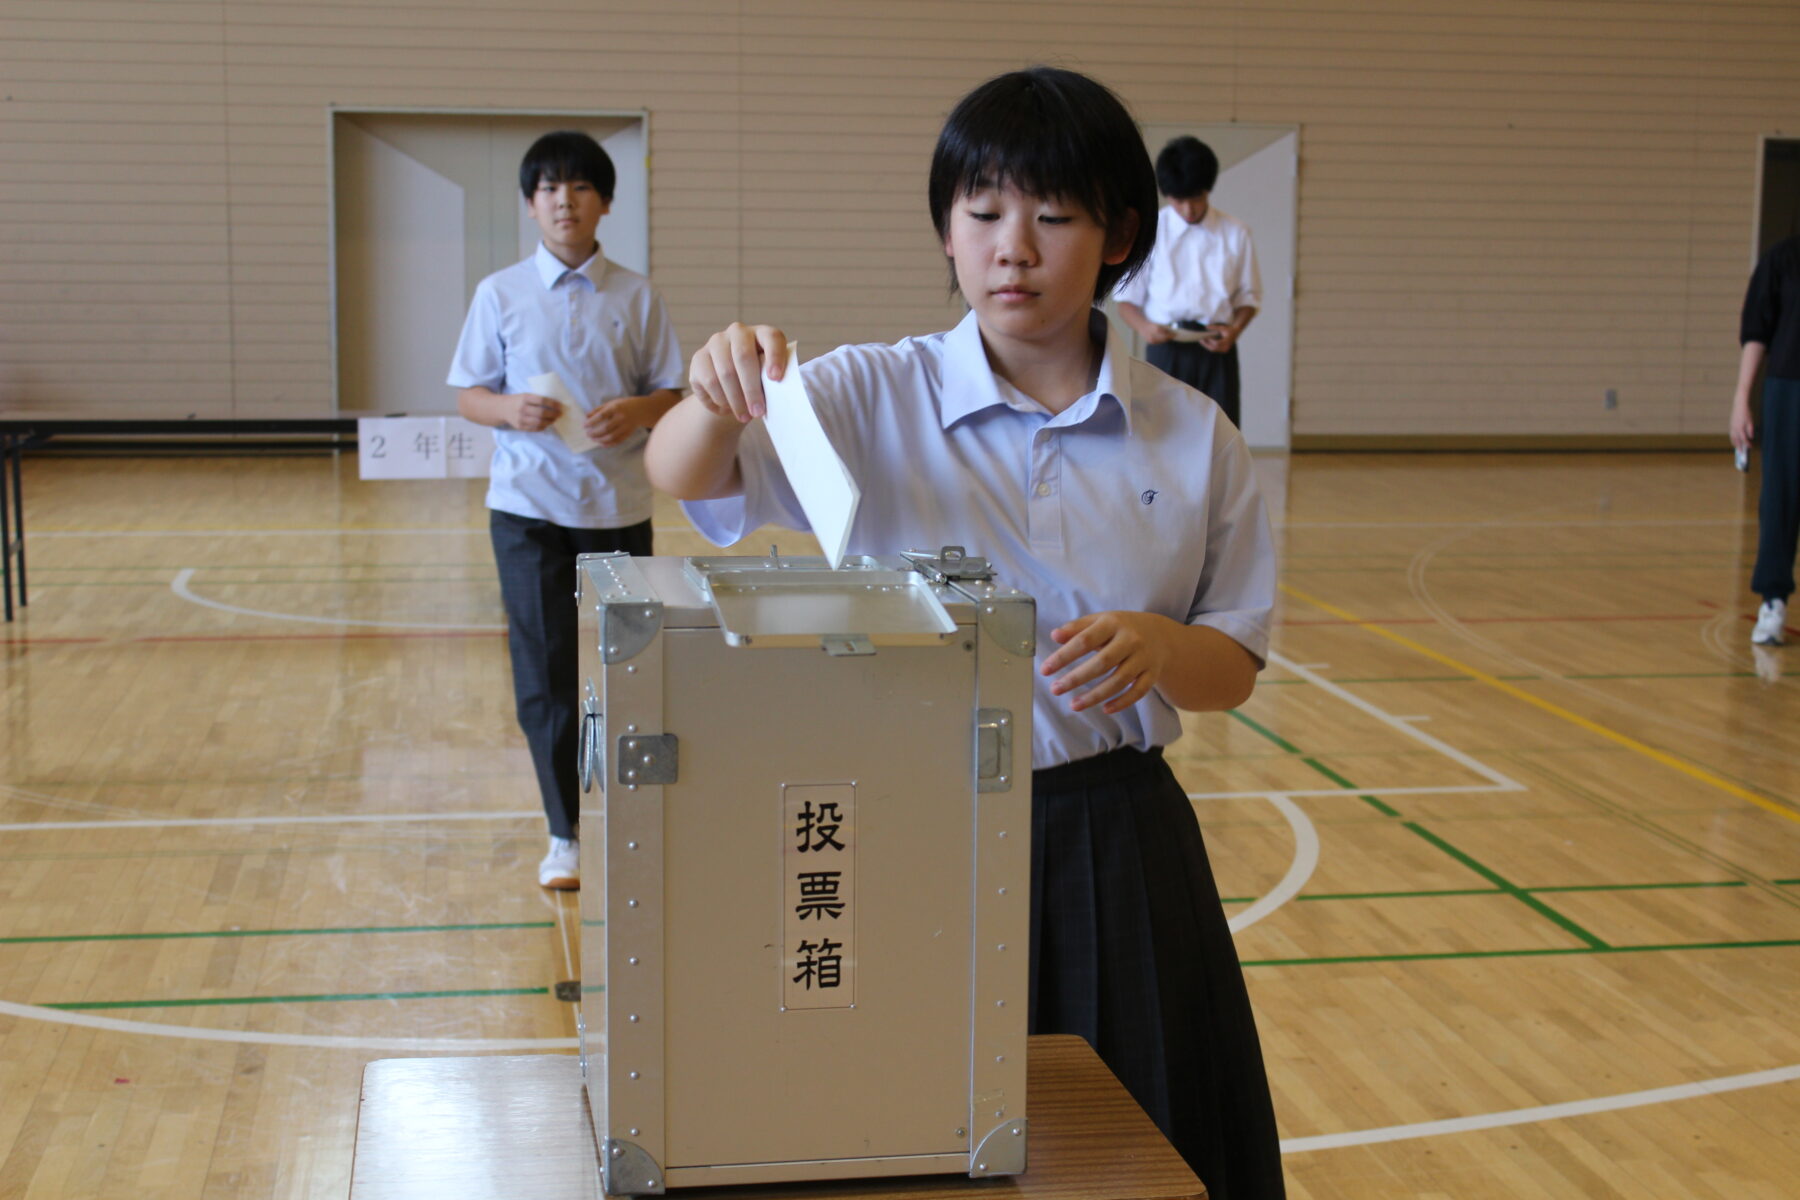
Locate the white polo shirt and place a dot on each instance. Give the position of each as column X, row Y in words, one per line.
column 1196, row 272
column 1139, row 496
column 604, row 330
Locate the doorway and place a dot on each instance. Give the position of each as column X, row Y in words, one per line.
column 1258, row 175
column 424, row 206
column 1779, row 205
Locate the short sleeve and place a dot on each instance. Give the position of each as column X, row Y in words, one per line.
column 480, row 358
column 1248, row 293
column 767, row 498
column 1135, row 288
column 663, row 367
column 1236, row 594
column 1762, row 302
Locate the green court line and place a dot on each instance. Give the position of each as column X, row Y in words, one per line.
column 1546, row 953
column 1500, row 881
column 233, row 933
column 1264, row 730
column 1420, row 895
column 1637, row 887
column 1379, row 806
column 1674, row 675
column 83, row 1005
column 1493, row 877
column 1429, row 893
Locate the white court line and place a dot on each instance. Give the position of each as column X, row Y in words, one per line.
column 473, row 530
column 1500, row 782
column 33, row 1012
column 1305, row 862
column 1543, row 1112
column 217, row 822
column 179, row 585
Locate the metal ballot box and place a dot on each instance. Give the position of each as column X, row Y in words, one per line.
column 806, row 849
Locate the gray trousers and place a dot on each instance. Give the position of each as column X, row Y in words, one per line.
column 537, row 586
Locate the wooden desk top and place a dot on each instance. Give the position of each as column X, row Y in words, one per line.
column 517, row 1126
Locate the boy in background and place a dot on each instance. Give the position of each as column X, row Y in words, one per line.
column 1201, row 281
column 603, row 330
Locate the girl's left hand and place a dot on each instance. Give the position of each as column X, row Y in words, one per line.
column 1219, row 338
column 616, row 420
column 1125, row 652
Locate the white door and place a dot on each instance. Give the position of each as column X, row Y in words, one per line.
column 425, row 205
column 1258, row 171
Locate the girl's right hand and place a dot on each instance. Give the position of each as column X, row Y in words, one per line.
column 726, row 373
column 532, row 413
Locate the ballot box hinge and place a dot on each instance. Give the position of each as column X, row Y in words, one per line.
column 1001, row 1151
column 993, row 749
column 649, row 758
column 847, row 645
column 626, row 1169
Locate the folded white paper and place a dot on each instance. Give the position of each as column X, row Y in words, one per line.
column 568, row 426
column 820, row 479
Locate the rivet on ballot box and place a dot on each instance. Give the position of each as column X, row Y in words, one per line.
column 806, row 843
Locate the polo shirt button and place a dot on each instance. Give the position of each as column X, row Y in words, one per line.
column 1044, row 489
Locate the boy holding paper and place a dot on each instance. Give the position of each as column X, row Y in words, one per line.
column 571, row 358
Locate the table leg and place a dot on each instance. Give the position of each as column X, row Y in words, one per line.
column 18, row 511
column 6, row 536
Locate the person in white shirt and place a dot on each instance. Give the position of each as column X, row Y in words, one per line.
column 1126, row 507
column 603, row 330
column 1198, row 293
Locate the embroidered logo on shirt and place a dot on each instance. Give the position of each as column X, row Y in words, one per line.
column 1148, row 496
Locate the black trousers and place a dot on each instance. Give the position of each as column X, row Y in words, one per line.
column 1196, row 366
column 537, row 586
column 1130, row 950
column 1778, row 512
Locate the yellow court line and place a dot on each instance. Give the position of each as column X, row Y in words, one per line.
column 1556, row 710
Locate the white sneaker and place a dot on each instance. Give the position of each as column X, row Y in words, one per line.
column 1771, row 623
column 561, row 868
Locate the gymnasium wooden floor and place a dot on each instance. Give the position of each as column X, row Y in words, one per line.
column 1510, row 830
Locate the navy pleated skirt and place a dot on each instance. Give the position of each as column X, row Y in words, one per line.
column 1130, row 950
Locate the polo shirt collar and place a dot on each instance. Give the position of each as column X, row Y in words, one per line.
column 970, row 384
column 551, row 269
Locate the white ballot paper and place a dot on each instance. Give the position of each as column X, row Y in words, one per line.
column 568, row 425
column 820, row 479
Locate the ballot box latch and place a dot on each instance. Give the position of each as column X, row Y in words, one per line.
column 847, row 645
column 948, row 564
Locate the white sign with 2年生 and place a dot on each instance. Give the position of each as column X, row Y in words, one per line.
column 422, row 448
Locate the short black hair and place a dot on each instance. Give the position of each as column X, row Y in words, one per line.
column 564, row 157
column 1186, row 167
column 1050, row 132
